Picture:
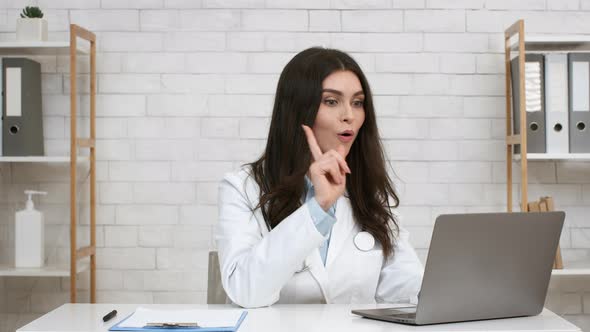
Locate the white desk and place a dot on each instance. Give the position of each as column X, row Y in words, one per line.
column 295, row 318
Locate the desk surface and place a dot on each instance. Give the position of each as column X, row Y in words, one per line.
column 296, row 318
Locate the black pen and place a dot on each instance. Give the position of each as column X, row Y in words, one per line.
column 110, row 315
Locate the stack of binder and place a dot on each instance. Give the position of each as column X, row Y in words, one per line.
column 557, row 90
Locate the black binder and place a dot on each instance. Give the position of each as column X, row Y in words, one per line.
column 22, row 131
column 579, row 102
column 535, row 103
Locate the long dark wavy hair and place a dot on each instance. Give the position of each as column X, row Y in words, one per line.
column 281, row 169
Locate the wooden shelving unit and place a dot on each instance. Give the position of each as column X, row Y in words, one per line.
column 516, row 41
column 74, row 49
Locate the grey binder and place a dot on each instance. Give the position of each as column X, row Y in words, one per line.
column 22, row 131
column 535, row 102
column 579, row 104
column 556, row 103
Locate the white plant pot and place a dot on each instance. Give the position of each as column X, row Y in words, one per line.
column 31, row 29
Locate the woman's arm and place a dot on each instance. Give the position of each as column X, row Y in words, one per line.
column 254, row 268
column 401, row 275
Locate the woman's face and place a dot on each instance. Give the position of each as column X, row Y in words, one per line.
column 341, row 113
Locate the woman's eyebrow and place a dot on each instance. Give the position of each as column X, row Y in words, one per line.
column 340, row 92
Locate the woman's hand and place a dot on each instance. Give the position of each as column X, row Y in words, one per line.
column 327, row 171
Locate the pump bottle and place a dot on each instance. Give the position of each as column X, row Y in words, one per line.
column 29, row 232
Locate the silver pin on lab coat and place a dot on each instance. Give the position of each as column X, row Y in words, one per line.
column 364, row 241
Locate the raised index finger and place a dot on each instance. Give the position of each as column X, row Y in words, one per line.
column 316, row 152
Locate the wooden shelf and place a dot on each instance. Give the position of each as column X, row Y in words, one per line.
column 515, row 39
column 81, row 41
column 38, row 48
column 42, row 159
column 46, row 271
column 555, row 156
column 571, row 272
column 569, row 43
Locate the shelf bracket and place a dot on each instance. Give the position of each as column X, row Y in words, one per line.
column 85, row 252
column 86, row 142
column 513, row 139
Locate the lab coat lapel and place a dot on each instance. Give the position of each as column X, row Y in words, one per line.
column 318, row 271
column 341, row 229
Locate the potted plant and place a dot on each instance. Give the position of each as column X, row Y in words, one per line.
column 31, row 25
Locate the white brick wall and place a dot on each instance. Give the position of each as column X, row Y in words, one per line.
column 185, row 93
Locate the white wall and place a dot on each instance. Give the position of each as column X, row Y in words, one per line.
column 185, row 91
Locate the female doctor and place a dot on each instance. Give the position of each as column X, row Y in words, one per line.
column 311, row 220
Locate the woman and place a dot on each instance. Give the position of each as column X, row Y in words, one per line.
column 311, row 220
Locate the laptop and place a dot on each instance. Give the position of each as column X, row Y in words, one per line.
column 483, row 266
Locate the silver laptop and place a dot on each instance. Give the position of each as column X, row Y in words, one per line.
column 483, row 266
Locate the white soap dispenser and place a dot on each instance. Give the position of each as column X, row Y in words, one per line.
column 29, row 239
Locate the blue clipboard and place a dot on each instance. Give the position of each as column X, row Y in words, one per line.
column 234, row 328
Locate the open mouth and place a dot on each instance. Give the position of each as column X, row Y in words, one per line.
column 346, row 136
column 346, row 133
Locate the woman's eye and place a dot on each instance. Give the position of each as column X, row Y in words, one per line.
column 359, row 103
column 330, row 102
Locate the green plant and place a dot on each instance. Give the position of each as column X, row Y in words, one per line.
column 32, row 12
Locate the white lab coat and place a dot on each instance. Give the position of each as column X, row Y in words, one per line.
column 260, row 268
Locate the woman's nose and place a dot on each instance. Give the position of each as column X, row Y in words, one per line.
column 348, row 114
